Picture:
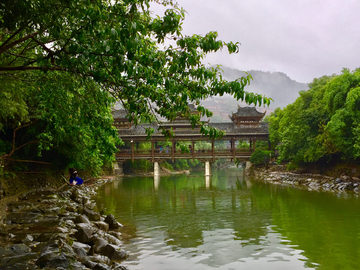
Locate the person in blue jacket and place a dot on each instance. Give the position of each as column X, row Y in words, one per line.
column 74, row 179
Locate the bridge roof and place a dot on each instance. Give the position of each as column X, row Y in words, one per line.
column 119, row 113
column 230, row 128
column 248, row 111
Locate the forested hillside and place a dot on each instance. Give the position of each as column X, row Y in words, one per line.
column 323, row 124
column 277, row 85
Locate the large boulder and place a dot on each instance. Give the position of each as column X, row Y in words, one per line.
column 78, row 245
column 102, row 225
column 55, row 260
column 94, row 216
column 114, row 253
column 99, row 244
column 113, row 224
column 84, row 232
column 112, row 239
column 82, row 219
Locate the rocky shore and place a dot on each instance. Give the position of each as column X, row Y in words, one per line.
column 312, row 181
column 60, row 230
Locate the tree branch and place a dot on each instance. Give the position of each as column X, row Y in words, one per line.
column 29, row 161
column 30, row 68
column 43, row 45
column 12, row 44
column 12, row 36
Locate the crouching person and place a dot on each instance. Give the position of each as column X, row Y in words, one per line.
column 74, row 179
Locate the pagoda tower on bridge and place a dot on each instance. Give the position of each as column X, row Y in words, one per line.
column 247, row 116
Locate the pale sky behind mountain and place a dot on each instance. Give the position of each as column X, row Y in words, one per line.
column 305, row 39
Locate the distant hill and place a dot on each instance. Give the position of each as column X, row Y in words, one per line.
column 276, row 85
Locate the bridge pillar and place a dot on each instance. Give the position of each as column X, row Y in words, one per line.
column 156, row 182
column 207, row 168
column 156, row 169
column 207, row 181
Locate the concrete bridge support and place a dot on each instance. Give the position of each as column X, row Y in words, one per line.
column 207, row 168
column 207, row 181
column 156, row 182
column 156, row 169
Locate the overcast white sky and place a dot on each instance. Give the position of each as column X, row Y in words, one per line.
column 305, row 39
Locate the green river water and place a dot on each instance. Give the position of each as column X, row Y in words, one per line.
column 231, row 222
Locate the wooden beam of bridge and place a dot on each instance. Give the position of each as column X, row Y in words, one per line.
column 135, row 135
column 210, row 155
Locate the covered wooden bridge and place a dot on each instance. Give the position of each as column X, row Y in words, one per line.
column 245, row 127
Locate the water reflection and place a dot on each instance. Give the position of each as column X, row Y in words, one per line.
column 228, row 222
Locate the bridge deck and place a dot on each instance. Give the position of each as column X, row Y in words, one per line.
column 201, row 155
column 136, row 134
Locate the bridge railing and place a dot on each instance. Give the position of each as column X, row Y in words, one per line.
column 168, row 154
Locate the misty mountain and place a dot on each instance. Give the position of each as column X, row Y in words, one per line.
column 276, row 85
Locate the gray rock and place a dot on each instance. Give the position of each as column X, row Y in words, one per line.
column 84, row 232
column 69, row 223
column 54, row 260
column 28, row 239
column 17, row 258
column 80, row 253
column 114, row 253
column 116, row 234
column 88, row 263
column 113, row 224
column 99, row 244
column 118, row 266
column 78, row 266
column 338, row 180
column 14, row 249
column 101, row 266
column 94, row 216
column 66, row 248
column 82, row 219
column 99, row 259
column 71, row 208
column 102, row 225
column 77, row 245
column 112, row 239
column 78, row 196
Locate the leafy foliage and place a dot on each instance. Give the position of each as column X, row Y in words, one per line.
column 260, row 156
column 323, row 123
column 69, row 121
column 62, row 59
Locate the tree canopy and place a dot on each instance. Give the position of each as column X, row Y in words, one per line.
column 58, row 56
column 323, row 123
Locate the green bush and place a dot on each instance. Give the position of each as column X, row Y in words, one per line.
column 181, row 164
column 141, row 164
column 260, row 157
column 167, row 166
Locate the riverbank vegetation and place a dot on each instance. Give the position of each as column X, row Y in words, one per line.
column 63, row 64
column 322, row 125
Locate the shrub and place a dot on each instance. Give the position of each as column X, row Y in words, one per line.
column 260, row 157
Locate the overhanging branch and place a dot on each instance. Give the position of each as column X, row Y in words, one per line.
column 12, row 44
